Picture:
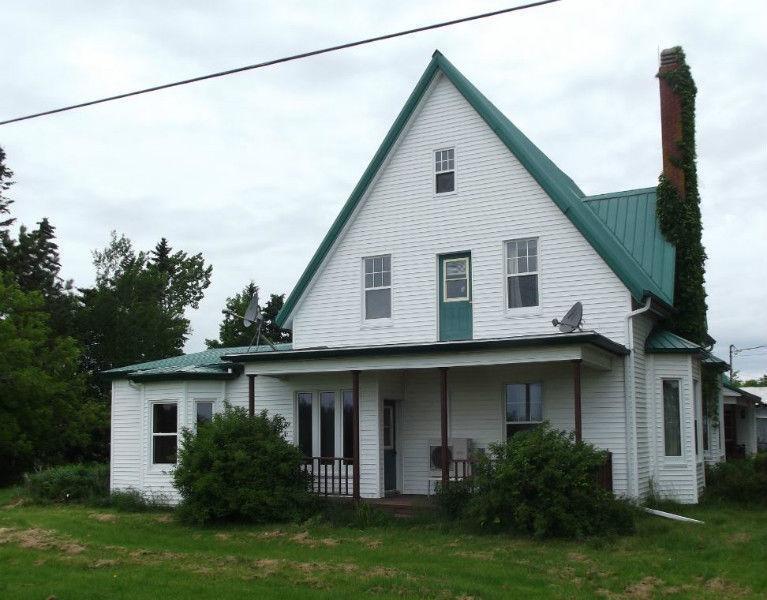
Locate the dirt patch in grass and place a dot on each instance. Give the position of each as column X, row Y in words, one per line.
column 163, row 518
column 304, row 539
column 370, row 542
column 740, row 537
column 726, row 589
column 103, row 517
column 40, row 539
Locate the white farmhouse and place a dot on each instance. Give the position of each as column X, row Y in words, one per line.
column 422, row 325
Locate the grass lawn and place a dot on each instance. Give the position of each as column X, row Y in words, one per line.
column 80, row 552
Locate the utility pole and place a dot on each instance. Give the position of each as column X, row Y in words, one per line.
column 731, row 349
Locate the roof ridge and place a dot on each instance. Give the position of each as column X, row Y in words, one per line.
column 632, row 192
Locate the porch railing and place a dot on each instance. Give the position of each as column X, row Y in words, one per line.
column 330, row 475
column 463, row 469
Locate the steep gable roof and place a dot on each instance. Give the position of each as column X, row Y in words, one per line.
column 560, row 188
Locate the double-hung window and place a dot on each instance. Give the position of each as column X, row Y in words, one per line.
column 524, row 407
column 164, row 433
column 672, row 424
column 377, row 287
column 444, row 171
column 522, row 273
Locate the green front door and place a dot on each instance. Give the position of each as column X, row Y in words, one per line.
column 455, row 320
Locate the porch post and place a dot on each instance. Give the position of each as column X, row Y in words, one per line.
column 356, row 435
column 577, row 398
column 443, row 425
column 251, row 395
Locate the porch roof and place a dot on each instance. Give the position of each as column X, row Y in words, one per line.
column 593, row 349
column 554, row 339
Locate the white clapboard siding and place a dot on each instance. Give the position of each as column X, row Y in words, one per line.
column 496, row 200
column 715, row 452
column 642, row 325
column 476, row 411
column 126, row 441
column 673, row 476
column 697, row 445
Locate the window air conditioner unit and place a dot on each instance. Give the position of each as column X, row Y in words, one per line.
column 457, row 449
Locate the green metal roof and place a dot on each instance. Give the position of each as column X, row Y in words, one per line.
column 731, row 386
column 663, row 341
column 630, row 217
column 560, row 188
column 209, row 364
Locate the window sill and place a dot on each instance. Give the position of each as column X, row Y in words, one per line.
column 523, row 312
column 445, row 194
column 376, row 324
column 161, row 469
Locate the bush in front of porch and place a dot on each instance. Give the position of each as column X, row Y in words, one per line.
column 241, row 468
column 742, row 481
column 541, row 483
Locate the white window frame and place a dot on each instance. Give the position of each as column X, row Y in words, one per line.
column 521, row 310
column 505, row 419
column 436, row 171
column 316, row 419
column 160, row 466
column 382, row 321
column 467, row 261
column 682, row 456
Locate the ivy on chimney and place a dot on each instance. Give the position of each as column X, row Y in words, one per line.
column 680, row 217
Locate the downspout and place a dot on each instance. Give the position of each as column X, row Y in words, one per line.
column 630, row 393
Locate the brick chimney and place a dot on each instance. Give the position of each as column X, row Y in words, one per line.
column 671, row 120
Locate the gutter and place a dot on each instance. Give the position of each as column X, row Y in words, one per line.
column 596, row 339
column 630, row 384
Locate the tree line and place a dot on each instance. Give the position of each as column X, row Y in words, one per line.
column 56, row 337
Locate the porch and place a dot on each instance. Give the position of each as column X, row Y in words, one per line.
column 401, row 426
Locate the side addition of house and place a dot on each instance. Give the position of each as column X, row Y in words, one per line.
column 422, row 326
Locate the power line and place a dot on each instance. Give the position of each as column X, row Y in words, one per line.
column 739, row 350
column 284, row 59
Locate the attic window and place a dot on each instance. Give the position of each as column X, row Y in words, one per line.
column 444, row 171
column 377, row 287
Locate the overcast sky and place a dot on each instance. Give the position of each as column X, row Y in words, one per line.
column 251, row 169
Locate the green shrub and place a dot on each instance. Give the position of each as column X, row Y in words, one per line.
column 69, row 483
column 134, row 501
column 241, row 468
column 742, row 481
column 454, row 499
column 339, row 513
column 542, row 483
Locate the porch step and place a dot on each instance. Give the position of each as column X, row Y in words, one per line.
column 404, row 506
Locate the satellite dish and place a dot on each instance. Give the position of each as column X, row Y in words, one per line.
column 571, row 321
column 253, row 312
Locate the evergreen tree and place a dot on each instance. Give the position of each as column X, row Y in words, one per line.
column 5, row 183
column 136, row 310
column 232, row 331
column 34, row 260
